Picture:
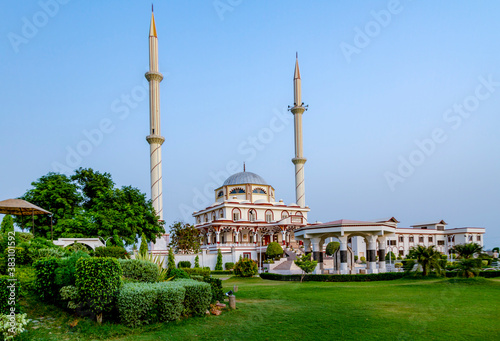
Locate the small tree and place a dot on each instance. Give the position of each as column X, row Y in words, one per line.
column 273, row 250
column 332, row 247
column 171, row 260
column 469, row 267
column 306, row 264
column 7, row 224
column 144, row 245
column 428, row 258
column 467, row 251
column 392, row 255
column 245, row 267
column 197, row 262
column 185, row 238
column 218, row 265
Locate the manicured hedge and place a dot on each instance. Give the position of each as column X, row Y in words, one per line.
column 216, row 288
column 198, row 271
column 111, row 251
column 45, row 283
column 485, row 274
column 8, row 297
column 222, row 272
column 198, row 296
column 387, row 276
column 140, row 270
column 184, row 264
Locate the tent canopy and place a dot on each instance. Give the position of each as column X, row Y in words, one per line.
column 20, row 207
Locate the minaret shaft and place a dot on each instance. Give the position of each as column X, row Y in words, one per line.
column 299, row 160
column 154, row 138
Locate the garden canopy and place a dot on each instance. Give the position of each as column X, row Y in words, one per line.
column 20, row 207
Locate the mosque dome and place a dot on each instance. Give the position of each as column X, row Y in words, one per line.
column 244, row 178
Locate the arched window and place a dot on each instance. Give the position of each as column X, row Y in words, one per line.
column 284, row 214
column 259, row 191
column 269, row 216
column 237, row 191
column 205, row 218
column 298, row 214
column 213, row 216
column 252, row 215
column 236, row 214
column 220, row 194
column 221, row 213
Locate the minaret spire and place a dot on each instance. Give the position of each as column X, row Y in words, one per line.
column 299, row 160
column 154, row 138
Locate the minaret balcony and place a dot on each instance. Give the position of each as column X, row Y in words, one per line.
column 154, row 75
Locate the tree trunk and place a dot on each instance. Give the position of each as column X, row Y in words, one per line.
column 99, row 318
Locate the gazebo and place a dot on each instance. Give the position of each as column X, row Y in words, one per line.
column 23, row 208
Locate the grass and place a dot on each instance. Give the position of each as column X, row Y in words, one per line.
column 437, row 309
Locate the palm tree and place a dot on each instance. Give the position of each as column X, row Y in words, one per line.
column 428, row 258
column 467, row 251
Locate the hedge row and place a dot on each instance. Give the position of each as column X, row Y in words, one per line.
column 222, row 272
column 198, row 271
column 198, row 296
column 485, row 274
column 140, row 270
column 387, row 276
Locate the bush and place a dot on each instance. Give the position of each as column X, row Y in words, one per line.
column 26, row 278
column 9, row 332
column 197, row 262
column 222, row 272
column 98, row 282
column 66, row 271
column 198, row 297
column 216, row 288
column 8, row 298
column 111, row 251
column 45, row 283
column 142, row 303
column 363, row 260
column 245, row 267
column 386, row 276
column 273, row 250
column 197, row 271
column 408, row 264
column 218, row 265
column 178, row 274
column 70, row 293
column 47, row 253
column 140, row 270
column 184, row 264
column 229, row 265
column 331, row 247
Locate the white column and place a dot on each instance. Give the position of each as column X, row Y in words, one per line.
column 343, row 255
column 307, row 246
column 283, row 236
column 381, row 254
column 209, row 238
column 217, row 237
column 371, row 253
column 237, row 236
column 317, row 254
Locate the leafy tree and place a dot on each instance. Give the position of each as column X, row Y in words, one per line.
column 218, row 265
column 7, row 224
column 467, row 251
column 144, row 245
column 428, row 258
column 306, row 264
column 92, row 185
column 197, row 262
column 273, row 250
column 185, row 238
column 331, row 247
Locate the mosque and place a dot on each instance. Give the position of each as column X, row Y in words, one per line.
column 245, row 216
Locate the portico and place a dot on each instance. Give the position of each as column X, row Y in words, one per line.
column 374, row 233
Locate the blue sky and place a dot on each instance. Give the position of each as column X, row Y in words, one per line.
column 381, row 79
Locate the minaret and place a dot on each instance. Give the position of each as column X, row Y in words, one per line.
column 299, row 160
column 154, row 138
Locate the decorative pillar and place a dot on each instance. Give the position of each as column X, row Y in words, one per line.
column 381, row 254
column 307, row 245
column 209, row 238
column 217, row 237
column 343, row 255
column 237, row 236
column 317, row 254
column 283, row 237
column 371, row 254
column 255, row 238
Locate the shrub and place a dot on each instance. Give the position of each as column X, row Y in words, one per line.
column 26, row 278
column 75, row 247
column 197, row 271
column 216, row 288
column 143, row 249
column 70, row 293
column 245, row 267
column 408, row 264
column 178, row 274
column 184, row 264
column 218, row 265
column 363, row 260
column 229, row 265
column 45, row 283
column 171, row 259
column 98, row 281
column 331, row 247
column 8, row 297
column 47, row 253
column 142, row 303
column 222, row 272
column 386, row 276
column 197, row 262
column 19, row 326
column 198, row 296
column 111, row 251
column 273, row 250
column 140, row 270
column 66, row 271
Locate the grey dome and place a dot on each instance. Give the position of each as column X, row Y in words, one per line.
column 244, row 178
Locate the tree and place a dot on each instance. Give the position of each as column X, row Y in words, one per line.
column 428, row 258
column 469, row 267
column 196, row 262
column 306, row 264
column 331, row 247
column 7, row 224
column 218, row 265
column 392, row 255
column 467, row 251
column 143, row 249
column 274, row 250
column 496, row 249
column 185, row 238
column 171, row 260
column 245, row 267
column 92, row 184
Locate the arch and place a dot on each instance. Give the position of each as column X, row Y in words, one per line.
column 220, row 194
column 284, row 214
column 269, row 216
column 213, row 216
column 91, row 242
column 252, row 215
column 299, row 214
column 259, row 190
column 236, row 214
column 237, row 190
column 221, row 213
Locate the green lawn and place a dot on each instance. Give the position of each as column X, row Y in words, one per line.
column 270, row 310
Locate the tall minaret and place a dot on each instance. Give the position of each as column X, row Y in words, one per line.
column 154, row 138
column 299, row 160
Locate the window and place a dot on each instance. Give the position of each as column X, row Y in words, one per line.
column 440, row 242
column 236, row 214
column 470, row 238
column 420, row 239
column 198, row 220
column 252, row 215
column 284, row 214
column 430, row 239
column 259, row 191
column 247, row 255
column 221, row 213
column 401, row 252
column 440, row 228
column 269, row 216
column 478, row 238
column 213, row 216
column 391, row 242
column 410, row 239
column 424, row 227
column 237, row 191
column 220, row 194
column 401, row 239
column 205, row 218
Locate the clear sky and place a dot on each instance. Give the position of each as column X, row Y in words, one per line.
column 404, row 101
